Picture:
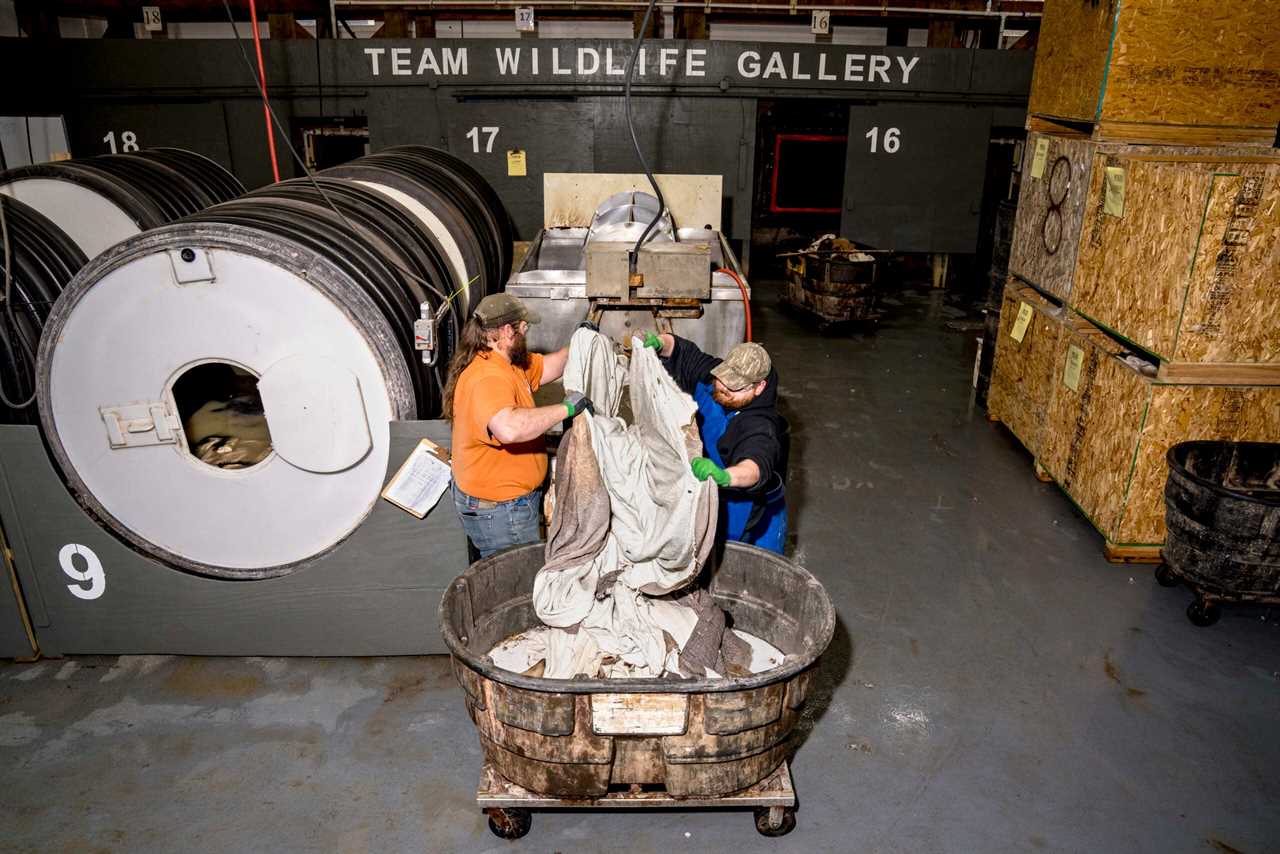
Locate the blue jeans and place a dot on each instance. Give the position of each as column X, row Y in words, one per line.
column 496, row 525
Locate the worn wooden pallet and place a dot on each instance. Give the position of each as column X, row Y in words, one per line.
column 1219, row 373
column 1117, row 553
column 1152, row 133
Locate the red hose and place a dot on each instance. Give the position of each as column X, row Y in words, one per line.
column 746, row 300
column 262, row 84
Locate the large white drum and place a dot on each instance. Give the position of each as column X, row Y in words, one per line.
column 100, row 201
column 302, row 297
column 329, row 373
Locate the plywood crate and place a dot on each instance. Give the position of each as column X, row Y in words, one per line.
column 1105, row 439
column 1023, row 370
column 1177, row 71
column 1187, row 271
column 1191, row 269
column 1051, row 202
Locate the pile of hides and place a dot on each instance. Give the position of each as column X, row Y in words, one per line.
column 631, row 531
column 230, row 434
column 837, row 249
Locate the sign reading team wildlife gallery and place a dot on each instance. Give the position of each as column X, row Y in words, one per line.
column 655, row 63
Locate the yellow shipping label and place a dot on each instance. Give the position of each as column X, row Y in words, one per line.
column 1020, row 325
column 1114, row 201
column 516, row 166
column 1038, row 159
column 1075, row 361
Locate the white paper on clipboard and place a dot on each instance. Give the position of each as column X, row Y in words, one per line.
column 420, row 482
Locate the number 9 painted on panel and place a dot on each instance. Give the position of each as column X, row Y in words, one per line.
column 92, row 572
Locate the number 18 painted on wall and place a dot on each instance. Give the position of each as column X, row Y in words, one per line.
column 128, row 142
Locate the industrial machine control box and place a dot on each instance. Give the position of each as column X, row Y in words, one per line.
column 668, row 270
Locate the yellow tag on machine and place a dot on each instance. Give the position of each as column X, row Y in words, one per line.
column 1020, row 325
column 1075, row 362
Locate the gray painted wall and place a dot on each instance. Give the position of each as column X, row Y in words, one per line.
column 376, row 593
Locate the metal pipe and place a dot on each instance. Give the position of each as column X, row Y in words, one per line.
column 688, row 4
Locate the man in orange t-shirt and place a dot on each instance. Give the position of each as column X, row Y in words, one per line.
column 499, row 455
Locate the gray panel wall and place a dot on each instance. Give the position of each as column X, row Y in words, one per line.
column 686, row 135
column 13, row 635
column 376, row 593
column 920, row 189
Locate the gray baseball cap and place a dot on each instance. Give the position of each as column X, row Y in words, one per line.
column 500, row 309
column 747, row 363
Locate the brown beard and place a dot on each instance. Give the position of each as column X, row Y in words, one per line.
column 519, row 352
column 726, row 400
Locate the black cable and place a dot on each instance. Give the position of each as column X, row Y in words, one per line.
column 644, row 164
column 31, row 155
column 446, row 301
column 8, row 303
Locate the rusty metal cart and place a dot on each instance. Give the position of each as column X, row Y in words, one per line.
column 638, row 743
column 1222, row 504
column 833, row 280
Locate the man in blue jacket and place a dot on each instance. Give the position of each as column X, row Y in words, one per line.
column 743, row 436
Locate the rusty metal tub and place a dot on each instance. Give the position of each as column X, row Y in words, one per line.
column 578, row 738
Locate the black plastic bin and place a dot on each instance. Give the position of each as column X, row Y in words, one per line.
column 1222, row 510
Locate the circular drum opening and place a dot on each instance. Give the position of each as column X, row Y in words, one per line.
column 222, row 415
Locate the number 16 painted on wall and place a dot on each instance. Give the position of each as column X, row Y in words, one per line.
column 891, row 142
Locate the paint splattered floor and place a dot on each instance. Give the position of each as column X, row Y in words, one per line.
column 994, row 685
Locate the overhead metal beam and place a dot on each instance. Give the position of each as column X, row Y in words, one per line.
column 213, row 10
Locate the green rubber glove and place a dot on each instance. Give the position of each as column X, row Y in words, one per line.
column 704, row 468
column 651, row 340
column 577, row 403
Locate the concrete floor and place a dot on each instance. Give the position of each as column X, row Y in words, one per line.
column 994, row 685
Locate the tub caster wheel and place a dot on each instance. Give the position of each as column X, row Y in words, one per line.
column 509, row 823
column 1165, row 576
column 1203, row 613
column 775, row 821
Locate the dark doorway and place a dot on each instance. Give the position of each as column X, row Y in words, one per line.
column 332, row 142
column 801, row 150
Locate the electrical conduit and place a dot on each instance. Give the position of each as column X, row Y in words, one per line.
column 262, row 86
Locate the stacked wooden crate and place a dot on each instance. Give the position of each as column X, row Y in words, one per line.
column 1146, row 254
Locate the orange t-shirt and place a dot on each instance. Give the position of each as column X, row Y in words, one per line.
column 483, row 467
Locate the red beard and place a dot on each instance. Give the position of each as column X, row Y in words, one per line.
column 726, row 400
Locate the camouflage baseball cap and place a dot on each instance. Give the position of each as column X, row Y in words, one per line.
column 500, row 309
column 747, row 364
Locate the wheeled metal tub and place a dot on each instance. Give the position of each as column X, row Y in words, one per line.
column 832, row 287
column 578, row 738
column 1222, row 511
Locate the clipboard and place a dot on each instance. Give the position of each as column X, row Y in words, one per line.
column 417, row 485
